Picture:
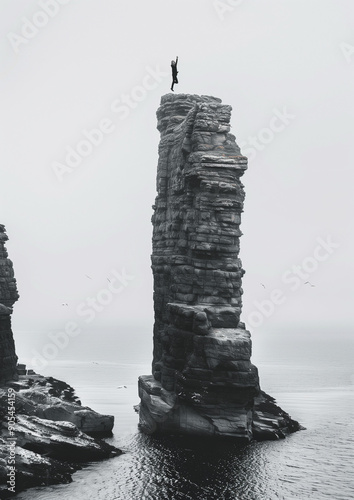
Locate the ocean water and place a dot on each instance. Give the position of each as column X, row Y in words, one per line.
column 311, row 377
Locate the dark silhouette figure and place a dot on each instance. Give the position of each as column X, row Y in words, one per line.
column 174, row 72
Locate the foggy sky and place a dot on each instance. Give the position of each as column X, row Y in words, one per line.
column 70, row 236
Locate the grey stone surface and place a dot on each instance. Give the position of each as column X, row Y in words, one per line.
column 51, row 426
column 53, row 432
column 202, row 382
column 8, row 296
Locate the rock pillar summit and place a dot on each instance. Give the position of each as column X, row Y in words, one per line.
column 8, row 296
column 202, row 381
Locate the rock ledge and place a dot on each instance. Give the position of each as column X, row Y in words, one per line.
column 54, row 435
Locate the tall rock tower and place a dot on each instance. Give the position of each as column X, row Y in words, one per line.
column 202, row 379
column 8, row 296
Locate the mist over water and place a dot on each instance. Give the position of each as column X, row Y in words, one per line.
column 311, row 378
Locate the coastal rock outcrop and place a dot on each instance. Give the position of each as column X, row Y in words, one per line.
column 52, row 399
column 52, row 434
column 45, row 432
column 202, row 382
column 8, row 296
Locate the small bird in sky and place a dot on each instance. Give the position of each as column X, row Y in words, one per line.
column 308, row 283
column 65, row 304
column 108, row 280
column 87, row 276
column 262, row 285
column 122, row 387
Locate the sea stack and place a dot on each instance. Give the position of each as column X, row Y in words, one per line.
column 8, row 296
column 203, row 382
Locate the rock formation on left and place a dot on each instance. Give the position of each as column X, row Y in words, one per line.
column 8, row 296
column 45, row 432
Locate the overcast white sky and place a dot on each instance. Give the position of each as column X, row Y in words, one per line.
column 262, row 57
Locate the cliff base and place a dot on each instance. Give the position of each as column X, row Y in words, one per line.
column 48, row 435
column 162, row 412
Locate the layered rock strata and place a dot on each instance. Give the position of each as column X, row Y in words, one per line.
column 8, row 296
column 54, row 434
column 202, row 381
column 52, row 399
column 51, row 432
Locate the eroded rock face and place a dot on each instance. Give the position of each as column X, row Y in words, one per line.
column 43, row 419
column 202, row 381
column 52, row 399
column 53, row 433
column 48, row 452
column 8, row 296
column 32, row 469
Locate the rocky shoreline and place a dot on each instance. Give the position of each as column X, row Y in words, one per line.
column 46, row 434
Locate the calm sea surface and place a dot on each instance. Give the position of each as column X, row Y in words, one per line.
column 311, row 378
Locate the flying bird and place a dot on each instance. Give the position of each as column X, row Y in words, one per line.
column 308, row 283
column 87, row 276
column 262, row 285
